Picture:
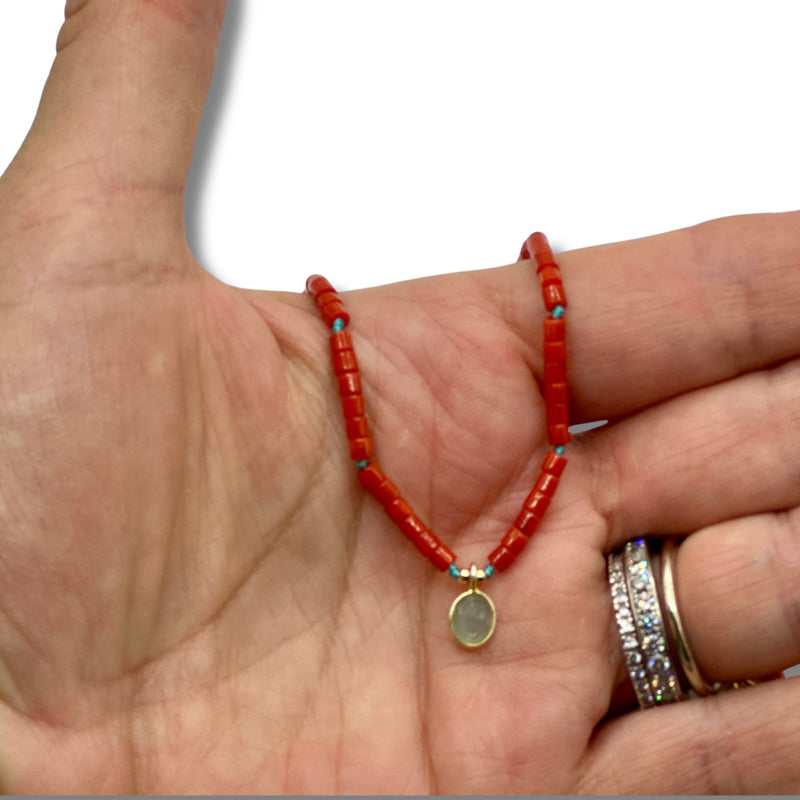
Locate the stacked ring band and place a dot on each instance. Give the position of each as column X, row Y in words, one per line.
column 637, row 611
column 657, row 654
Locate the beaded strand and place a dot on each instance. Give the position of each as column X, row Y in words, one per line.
column 372, row 478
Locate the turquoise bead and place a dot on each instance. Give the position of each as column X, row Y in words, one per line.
column 362, row 464
column 455, row 572
column 489, row 570
column 558, row 312
column 559, row 451
column 338, row 325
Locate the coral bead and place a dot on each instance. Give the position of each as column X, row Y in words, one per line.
column 442, row 557
column 501, row 558
column 554, row 464
column 514, row 541
column 558, row 435
column 555, row 330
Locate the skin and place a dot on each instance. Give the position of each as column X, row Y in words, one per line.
column 196, row 595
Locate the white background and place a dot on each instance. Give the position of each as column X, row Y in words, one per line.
column 396, row 139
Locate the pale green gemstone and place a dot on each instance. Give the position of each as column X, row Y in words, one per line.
column 472, row 618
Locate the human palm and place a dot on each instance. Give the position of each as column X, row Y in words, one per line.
column 197, row 594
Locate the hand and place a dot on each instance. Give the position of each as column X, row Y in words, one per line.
column 196, row 595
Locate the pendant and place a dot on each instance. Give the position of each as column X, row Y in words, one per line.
column 472, row 615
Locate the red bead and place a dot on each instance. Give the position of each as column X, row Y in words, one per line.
column 357, row 427
column 371, row 477
column 344, row 361
column 555, row 394
column 557, row 414
column 555, row 373
column 361, row 449
column 398, row 510
column 501, row 558
column 426, row 543
column 341, row 340
column 353, row 405
column 555, row 352
column 546, row 483
column 555, row 330
column 553, row 295
column 385, row 492
column 412, row 527
column 514, row 541
column 528, row 520
column 549, row 274
column 554, row 464
column 349, row 384
column 558, row 435
column 536, row 504
column 442, row 557
column 332, row 308
column 317, row 285
column 540, row 247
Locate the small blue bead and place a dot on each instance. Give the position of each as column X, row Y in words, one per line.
column 558, row 312
column 362, row 464
column 559, row 451
column 489, row 570
column 338, row 325
column 455, row 572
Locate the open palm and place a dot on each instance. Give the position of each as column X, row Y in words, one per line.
column 198, row 596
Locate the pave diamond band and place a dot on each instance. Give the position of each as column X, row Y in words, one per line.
column 637, row 612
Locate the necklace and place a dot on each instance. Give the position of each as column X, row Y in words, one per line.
column 472, row 614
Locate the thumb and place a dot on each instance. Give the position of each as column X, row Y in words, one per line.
column 121, row 107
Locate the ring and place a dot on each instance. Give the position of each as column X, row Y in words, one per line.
column 677, row 634
column 675, row 626
column 637, row 611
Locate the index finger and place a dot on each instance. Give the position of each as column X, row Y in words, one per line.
column 653, row 318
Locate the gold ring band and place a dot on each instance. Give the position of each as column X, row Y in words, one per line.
column 677, row 634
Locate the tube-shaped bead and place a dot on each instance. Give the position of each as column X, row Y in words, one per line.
column 442, row 557
column 501, row 558
column 546, row 484
column 555, row 330
column 529, row 519
column 555, row 353
column 536, row 504
column 361, row 449
column 555, row 373
column 558, row 435
column 554, row 464
column 426, row 543
column 514, row 541
column 553, row 295
column 344, row 361
column 353, row 405
column 317, row 285
column 357, row 427
column 342, row 340
column 557, row 414
column 549, row 274
column 398, row 510
column 349, row 384
column 555, row 394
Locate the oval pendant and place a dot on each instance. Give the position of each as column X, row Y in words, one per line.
column 472, row 618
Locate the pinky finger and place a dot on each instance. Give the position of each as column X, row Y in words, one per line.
column 740, row 742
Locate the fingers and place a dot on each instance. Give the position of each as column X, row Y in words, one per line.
column 742, row 742
column 739, row 598
column 120, row 110
column 720, row 452
column 651, row 318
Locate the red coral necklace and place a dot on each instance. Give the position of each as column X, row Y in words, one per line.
column 472, row 614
